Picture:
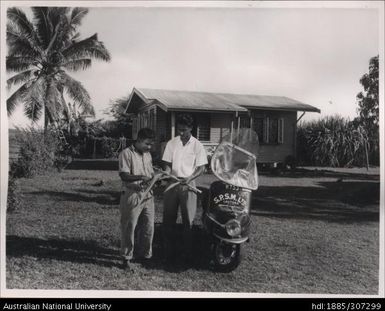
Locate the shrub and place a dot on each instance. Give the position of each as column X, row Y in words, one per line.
column 108, row 147
column 39, row 152
column 95, row 147
column 13, row 199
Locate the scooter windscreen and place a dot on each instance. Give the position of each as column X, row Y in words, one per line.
column 234, row 160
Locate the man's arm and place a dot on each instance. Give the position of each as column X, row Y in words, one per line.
column 125, row 163
column 201, row 162
column 130, row 178
column 199, row 170
column 167, row 167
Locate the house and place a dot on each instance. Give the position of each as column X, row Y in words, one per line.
column 274, row 118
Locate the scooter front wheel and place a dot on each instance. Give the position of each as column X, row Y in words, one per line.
column 226, row 256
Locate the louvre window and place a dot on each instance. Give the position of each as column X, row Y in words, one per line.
column 203, row 127
column 280, row 130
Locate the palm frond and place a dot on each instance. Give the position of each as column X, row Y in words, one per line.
column 16, row 98
column 65, row 25
column 13, row 34
column 70, row 23
column 42, row 24
column 20, row 19
column 77, row 15
column 78, row 93
column 19, row 63
column 34, row 99
column 62, row 30
column 75, row 37
column 56, row 13
column 19, row 24
column 78, row 64
column 33, row 109
column 47, row 20
column 19, row 43
column 66, row 109
column 21, row 77
column 89, row 47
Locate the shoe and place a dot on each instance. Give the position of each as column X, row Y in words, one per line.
column 126, row 265
column 147, row 262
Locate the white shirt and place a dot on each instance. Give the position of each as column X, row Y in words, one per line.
column 184, row 159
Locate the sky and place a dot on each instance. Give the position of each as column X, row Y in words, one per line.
column 312, row 54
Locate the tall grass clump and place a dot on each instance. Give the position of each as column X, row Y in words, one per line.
column 332, row 141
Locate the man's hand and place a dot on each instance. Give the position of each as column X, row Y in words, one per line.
column 136, row 187
column 145, row 182
column 184, row 181
column 146, row 179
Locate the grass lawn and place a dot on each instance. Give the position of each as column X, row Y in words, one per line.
column 314, row 231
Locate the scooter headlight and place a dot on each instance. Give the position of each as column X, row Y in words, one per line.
column 233, row 227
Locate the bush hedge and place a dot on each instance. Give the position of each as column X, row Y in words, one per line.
column 40, row 151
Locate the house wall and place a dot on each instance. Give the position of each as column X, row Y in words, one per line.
column 163, row 127
column 268, row 152
column 159, row 122
column 220, row 127
column 278, row 152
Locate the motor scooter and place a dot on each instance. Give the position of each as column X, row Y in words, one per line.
column 226, row 216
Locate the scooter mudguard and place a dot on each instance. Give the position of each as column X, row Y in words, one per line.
column 227, row 203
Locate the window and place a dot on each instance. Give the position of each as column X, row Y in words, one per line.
column 258, row 127
column 245, row 122
column 203, row 127
column 280, row 130
column 270, row 130
column 273, row 131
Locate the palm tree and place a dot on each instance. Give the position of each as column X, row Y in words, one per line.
column 41, row 52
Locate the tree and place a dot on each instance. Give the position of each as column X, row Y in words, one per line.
column 368, row 103
column 41, row 52
column 122, row 121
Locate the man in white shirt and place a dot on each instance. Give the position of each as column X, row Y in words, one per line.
column 185, row 158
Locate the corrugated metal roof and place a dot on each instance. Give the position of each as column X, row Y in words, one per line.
column 269, row 102
column 187, row 100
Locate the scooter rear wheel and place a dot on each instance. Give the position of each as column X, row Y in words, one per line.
column 227, row 257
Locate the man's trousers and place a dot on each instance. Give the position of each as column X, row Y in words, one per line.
column 179, row 196
column 136, row 217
